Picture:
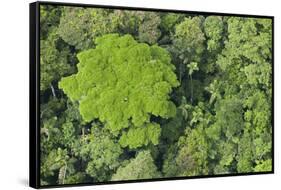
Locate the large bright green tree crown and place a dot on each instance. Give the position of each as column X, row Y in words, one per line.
column 122, row 82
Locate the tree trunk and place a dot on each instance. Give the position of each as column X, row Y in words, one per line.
column 53, row 90
column 191, row 89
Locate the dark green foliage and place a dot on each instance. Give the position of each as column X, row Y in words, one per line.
column 169, row 20
column 129, row 95
column 192, row 158
column 79, row 26
column 189, row 40
column 50, row 54
column 143, row 25
column 49, row 19
column 229, row 114
column 102, row 151
column 73, row 28
column 148, row 29
column 213, row 28
column 141, row 167
column 54, row 161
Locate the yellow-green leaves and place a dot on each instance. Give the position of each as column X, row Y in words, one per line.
column 122, row 82
column 264, row 166
column 193, row 66
column 139, row 136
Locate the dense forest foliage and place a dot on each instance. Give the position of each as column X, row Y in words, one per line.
column 131, row 95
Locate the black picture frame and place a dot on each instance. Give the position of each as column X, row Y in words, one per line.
column 34, row 92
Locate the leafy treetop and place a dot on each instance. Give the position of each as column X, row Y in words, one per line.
column 141, row 167
column 122, row 82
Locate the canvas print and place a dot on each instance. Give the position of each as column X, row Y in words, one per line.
column 128, row 94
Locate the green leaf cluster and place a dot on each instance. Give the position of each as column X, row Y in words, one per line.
column 141, row 167
column 122, row 82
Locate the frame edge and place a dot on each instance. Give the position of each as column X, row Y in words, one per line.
column 34, row 173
